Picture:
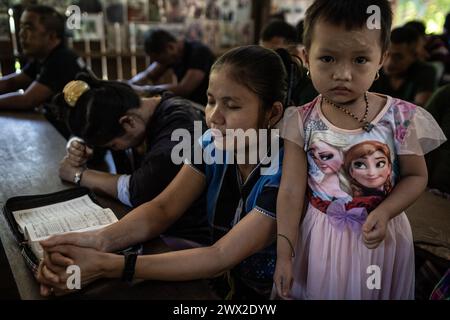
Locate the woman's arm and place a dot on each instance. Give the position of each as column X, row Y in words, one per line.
column 153, row 72
column 249, row 236
column 100, row 182
column 413, row 181
column 252, row 234
column 75, row 160
column 144, row 222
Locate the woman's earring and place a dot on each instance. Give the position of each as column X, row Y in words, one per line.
column 307, row 73
column 377, row 75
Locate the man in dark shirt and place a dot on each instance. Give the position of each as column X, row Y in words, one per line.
column 191, row 62
column 51, row 65
column 404, row 76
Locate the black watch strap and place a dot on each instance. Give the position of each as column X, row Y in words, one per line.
column 130, row 264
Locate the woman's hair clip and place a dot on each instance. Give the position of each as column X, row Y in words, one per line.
column 73, row 91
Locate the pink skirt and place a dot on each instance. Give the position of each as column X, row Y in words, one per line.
column 335, row 264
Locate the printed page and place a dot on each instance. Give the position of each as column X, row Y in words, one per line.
column 67, row 209
column 89, row 219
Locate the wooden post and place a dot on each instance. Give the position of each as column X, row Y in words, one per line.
column 118, row 51
column 260, row 14
column 12, row 28
column 133, row 40
column 104, row 58
column 70, row 42
column 87, row 51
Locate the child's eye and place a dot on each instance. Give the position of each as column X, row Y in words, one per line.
column 233, row 107
column 359, row 165
column 360, row 60
column 326, row 59
column 211, row 102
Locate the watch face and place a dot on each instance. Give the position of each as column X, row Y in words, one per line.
column 76, row 178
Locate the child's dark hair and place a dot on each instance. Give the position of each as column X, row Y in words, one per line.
column 156, row 40
column 261, row 70
column 350, row 13
column 52, row 20
column 95, row 116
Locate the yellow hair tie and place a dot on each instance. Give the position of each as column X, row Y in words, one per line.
column 73, row 91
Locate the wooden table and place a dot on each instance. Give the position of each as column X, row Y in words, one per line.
column 430, row 223
column 30, row 152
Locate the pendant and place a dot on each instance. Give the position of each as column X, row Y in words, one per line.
column 368, row 126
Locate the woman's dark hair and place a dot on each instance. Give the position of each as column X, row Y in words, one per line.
column 350, row 13
column 293, row 65
column 261, row 70
column 95, row 116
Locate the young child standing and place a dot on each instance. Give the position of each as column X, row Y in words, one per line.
column 350, row 245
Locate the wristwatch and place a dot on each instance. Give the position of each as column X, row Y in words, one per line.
column 77, row 177
column 130, row 264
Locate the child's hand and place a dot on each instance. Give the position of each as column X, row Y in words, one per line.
column 374, row 229
column 283, row 277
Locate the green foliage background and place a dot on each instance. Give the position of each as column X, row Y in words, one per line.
column 432, row 12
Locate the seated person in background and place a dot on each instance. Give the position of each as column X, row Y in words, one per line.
column 191, row 62
column 279, row 34
column 403, row 75
column 110, row 114
column 51, row 65
column 438, row 161
column 430, row 48
column 445, row 37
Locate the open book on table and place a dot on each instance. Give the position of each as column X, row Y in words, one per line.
column 79, row 214
column 35, row 218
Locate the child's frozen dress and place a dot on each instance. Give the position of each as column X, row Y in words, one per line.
column 350, row 172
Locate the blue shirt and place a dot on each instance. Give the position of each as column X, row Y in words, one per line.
column 229, row 200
